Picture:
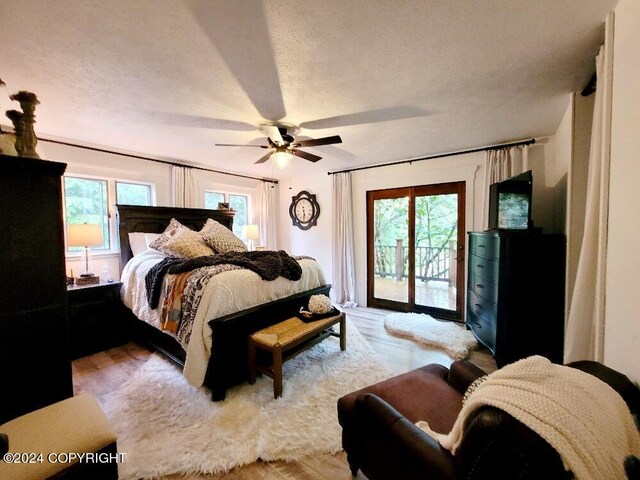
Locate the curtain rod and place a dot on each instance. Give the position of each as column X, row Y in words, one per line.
column 149, row 159
column 440, row 155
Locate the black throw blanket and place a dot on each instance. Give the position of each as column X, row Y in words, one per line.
column 268, row 264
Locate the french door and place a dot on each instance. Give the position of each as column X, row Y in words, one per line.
column 415, row 249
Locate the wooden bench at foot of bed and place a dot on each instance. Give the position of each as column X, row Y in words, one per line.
column 229, row 362
column 285, row 340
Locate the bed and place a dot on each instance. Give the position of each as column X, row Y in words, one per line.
column 227, row 364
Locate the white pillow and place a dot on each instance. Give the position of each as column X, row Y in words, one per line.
column 149, row 238
column 137, row 242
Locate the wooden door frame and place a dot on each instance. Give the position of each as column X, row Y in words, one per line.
column 371, row 197
column 412, row 192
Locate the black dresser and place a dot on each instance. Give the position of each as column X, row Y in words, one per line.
column 34, row 331
column 515, row 293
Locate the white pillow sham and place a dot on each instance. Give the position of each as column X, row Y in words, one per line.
column 137, row 242
column 149, row 238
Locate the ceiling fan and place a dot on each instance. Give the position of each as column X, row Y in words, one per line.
column 280, row 142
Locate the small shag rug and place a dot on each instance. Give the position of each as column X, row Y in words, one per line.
column 165, row 426
column 454, row 339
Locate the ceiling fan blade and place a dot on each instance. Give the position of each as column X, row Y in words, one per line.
column 307, row 156
column 372, row 116
column 265, row 158
column 274, row 133
column 236, row 145
column 313, row 142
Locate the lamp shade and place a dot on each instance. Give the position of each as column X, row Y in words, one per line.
column 84, row 235
column 281, row 159
column 250, row 232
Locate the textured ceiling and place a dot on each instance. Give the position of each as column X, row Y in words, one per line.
column 396, row 79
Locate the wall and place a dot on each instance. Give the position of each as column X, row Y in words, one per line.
column 98, row 164
column 548, row 207
column 224, row 183
column 548, row 204
column 316, row 241
column 622, row 311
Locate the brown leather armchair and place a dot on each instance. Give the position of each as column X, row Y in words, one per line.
column 380, row 437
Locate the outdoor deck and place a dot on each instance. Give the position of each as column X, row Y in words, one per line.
column 432, row 293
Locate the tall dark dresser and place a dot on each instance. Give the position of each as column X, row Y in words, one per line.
column 515, row 293
column 34, row 332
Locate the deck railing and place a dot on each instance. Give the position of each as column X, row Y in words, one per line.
column 432, row 263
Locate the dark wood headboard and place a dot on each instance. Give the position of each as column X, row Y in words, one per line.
column 133, row 218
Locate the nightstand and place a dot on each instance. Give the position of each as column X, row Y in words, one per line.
column 96, row 318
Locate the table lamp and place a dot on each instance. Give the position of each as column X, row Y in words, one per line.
column 85, row 235
column 251, row 233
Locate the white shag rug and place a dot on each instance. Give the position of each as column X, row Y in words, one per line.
column 166, row 426
column 454, row 339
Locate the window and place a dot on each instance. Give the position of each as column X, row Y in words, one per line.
column 211, row 199
column 238, row 202
column 133, row 193
column 87, row 200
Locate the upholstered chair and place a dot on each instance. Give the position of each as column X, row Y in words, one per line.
column 380, row 437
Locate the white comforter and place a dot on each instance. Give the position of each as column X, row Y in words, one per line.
column 226, row 293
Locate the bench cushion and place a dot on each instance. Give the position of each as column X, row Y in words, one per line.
column 74, row 425
column 289, row 331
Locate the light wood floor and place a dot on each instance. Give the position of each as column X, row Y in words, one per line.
column 106, row 371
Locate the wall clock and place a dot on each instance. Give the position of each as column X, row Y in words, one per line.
column 304, row 210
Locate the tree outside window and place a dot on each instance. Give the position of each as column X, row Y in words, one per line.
column 86, row 202
column 133, row 193
column 211, row 200
column 239, row 203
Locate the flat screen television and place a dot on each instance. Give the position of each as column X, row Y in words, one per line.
column 510, row 203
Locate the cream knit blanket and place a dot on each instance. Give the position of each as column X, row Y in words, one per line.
column 582, row 417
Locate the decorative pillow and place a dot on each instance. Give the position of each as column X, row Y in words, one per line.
column 169, row 232
column 186, row 244
column 209, row 226
column 137, row 242
column 222, row 240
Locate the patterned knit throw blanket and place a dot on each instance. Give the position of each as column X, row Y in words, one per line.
column 580, row 416
column 269, row 264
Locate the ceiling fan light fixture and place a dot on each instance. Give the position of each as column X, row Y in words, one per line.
column 281, row 159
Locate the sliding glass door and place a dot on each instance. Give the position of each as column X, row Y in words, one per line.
column 415, row 249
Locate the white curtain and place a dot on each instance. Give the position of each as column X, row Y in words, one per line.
column 584, row 339
column 497, row 167
column 267, row 217
column 344, row 276
column 183, row 182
